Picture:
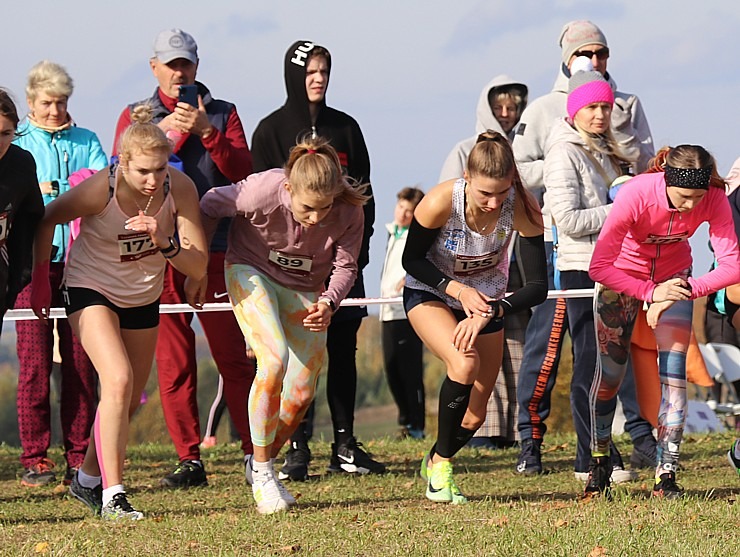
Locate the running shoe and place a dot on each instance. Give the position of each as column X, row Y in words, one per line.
column 267, row 493
column 352, row 459
column 39, row 474
column 619, row 475
column 529, row 462
column 119, row 508
column 599, row 474
column 425, row 465
column 92, row 497
column 249, row 475
column 666, row 487
column 188, row 473
column 734, row 461
column 295, row 467
column 441, row 487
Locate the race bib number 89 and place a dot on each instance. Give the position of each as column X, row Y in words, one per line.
column 135, row 246
column 466, row 265
column 290, row 263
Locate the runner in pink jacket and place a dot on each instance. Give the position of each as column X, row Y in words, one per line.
column 643, row 255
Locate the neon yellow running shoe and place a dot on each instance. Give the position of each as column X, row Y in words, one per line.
column 426, row 465
column 441, row 486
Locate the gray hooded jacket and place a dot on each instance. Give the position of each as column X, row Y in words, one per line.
column 484, row 120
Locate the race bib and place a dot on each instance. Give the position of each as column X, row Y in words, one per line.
column 466, row 265
column 290, row 263
column 3, row 227
column 655, row 239
column 135, row 246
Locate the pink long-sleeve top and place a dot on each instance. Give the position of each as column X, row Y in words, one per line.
column 265, row 235
column 645, row 241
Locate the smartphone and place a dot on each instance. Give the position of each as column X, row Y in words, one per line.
column 188, row 94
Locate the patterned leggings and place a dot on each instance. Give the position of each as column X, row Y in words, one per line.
column 615, row 316
column 289, row 356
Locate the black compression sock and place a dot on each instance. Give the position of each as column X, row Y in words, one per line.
column 453, row 403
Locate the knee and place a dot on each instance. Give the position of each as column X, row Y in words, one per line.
column 116, row 389
column 472, row 422
column 464, row 369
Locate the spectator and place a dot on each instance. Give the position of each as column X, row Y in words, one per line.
column 210, row 143
column 402, row 348
column 542, row 351
column 60, row 148
column 305, row 113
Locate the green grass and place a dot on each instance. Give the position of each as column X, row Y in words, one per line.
column 339, row 515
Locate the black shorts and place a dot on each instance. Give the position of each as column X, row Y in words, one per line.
column 140, row 317
column 413, row 297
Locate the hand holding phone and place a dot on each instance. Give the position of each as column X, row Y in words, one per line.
column 188, row 94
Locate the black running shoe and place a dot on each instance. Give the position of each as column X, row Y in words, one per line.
column 188, row 473
column 599, row 474
column 529, row 462
column 666, row 487
column 295, row 467
column 352, row 459
column 644, row 453
column 92, row 497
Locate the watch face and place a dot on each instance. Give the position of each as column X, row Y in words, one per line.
column 54, row 188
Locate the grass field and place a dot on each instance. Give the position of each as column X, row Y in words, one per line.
column 339, row 515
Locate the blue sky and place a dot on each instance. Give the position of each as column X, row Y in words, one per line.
column 409, row 71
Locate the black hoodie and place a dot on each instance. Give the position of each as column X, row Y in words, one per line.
column 276, row 135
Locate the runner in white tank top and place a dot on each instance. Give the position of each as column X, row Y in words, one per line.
column 457, row 267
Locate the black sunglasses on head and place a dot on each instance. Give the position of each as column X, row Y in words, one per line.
column 601, row 54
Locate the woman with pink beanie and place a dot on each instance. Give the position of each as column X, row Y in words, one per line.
column 582, row 161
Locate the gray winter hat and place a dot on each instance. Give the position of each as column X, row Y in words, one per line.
column 577, row 34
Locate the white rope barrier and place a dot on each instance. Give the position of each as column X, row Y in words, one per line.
column 59, row 313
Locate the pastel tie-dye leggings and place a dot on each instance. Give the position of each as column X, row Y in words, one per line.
column 614, row 316
column 289, row 356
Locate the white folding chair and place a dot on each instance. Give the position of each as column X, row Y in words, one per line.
column 723, row 364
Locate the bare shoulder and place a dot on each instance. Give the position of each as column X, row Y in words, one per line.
column 182, row 188
column 434, row 209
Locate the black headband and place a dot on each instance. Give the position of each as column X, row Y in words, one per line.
column 691, row 178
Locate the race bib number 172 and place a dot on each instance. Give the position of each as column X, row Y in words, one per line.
column 135, row 246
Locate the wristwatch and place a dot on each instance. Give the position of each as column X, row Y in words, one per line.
column 329, row 302
column 169, row 249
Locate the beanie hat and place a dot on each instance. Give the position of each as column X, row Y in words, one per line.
column 586, row 86
column 577, row 34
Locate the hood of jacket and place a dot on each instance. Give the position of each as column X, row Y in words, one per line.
column 296, row 61
column 484, row 117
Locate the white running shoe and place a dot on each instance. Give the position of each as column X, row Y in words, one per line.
column 267, row 493
column 249, row 476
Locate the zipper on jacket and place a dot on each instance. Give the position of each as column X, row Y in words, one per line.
column 66, row 163
column 657, row 249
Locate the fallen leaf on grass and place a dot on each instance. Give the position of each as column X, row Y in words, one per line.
column 381, row 524
column 60, row 489
column 560, row 522
column 554, row 448
column 290, row 549
column 598, row 551
column 193, row 544
column 498, row 521
column 41, row 547
column 410, row 484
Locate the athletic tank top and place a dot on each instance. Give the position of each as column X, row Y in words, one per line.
column 123, row 265
column 477, row 260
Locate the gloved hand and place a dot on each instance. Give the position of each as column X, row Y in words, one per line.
column 622, row 113
column 41, row 290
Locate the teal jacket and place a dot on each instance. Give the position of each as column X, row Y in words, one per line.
column 58, row 155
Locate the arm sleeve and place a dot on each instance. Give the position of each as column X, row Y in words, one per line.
column 414, row 259
column 608, row 247
column 229, row 149
column 724, row 241
column 223, row 201
column 534, row 264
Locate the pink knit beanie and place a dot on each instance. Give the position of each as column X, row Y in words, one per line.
column 586, row 86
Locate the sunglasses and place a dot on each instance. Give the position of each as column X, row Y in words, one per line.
column 601, row 54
